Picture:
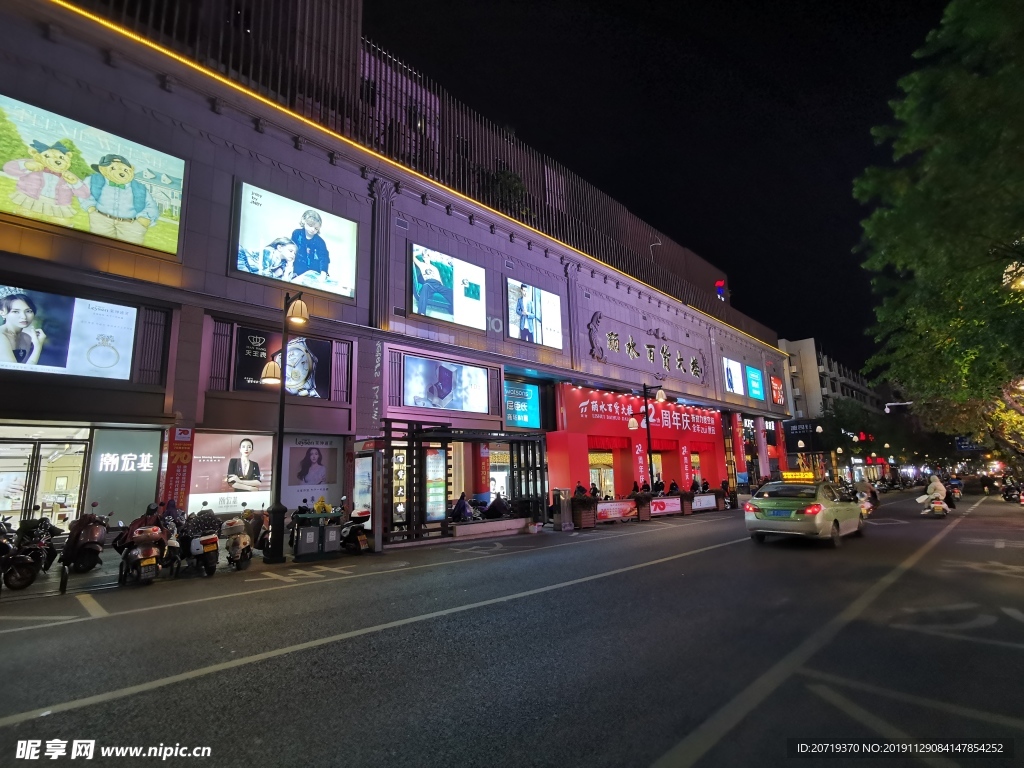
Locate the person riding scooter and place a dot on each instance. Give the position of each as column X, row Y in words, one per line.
column 935, row 490
column 863, row 486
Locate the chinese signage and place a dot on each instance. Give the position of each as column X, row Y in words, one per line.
column 437, row 484
column 778, row 395
column 124, row 469
column 288, row 241
column 60, row 171
column 522, row 405
column 799, row 477
column 651, row 350
column 666, row 505
column 600, row 412
column 616, row 510
column 179, row 466
column 309, row 363
column 704, row 501
column 755, row 383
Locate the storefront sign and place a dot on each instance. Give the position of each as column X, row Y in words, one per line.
column 60, row 171
column 609, row 413
column 636, row 349
column 309, row 363
column 449, row 289
column 733, row 376
column 50, row 333
column 522, row 405
column 178, row 474
column 534, row 315
column 798, row 477
column 440, row 384
column 229, row 469
column 616, row 510
column 437, row 485
column 704, row 501
column 291, row 242
column 123, row 470
column 778, row 393
column 755, row 383
column 312, row 470
column 666, row 505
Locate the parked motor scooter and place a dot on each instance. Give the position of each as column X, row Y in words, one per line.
column 35, row 539
column 353, row 531
column 239, row 543
column 19, row 570
column 200, row 541
column 142, row 559
column 86, row 538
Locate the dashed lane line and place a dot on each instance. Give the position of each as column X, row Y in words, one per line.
column 194, row 674
column 96, row 611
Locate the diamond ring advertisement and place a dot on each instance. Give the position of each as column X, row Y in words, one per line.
column 103, row 354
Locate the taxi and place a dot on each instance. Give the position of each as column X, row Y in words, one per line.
column 816, row 510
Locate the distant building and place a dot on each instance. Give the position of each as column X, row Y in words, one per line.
column 816, row 380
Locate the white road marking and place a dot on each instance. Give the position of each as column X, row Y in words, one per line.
column 697, row 744
column 978, row 622
column 1013, row 613
column 954, row 636
column 873, row 722
column 997, row 543
column 35, row 618
column 887, row 521
column 89, row 603
column 385, row 571
column 942, row 706
column 279, row 652
column 957, row 607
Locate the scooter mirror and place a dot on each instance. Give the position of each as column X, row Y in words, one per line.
column 95, row 504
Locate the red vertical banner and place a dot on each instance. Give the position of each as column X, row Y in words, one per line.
column 739, row 449
column 178, row 445
column 780, row 446
column 687, row 464
column 640, row 460
column 481, row 470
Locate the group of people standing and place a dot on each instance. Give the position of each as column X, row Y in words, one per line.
column 658, row 489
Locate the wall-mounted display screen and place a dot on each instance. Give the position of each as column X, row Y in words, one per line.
column 448, row 289
column 522, row 405
column 292, row 242
column 440, row 384
column 534, row 315
column 50, row 333
column 309, row 362
column 733, row 376
column 312, row 469
column 778, row 394
column 755, row 383
column 63, row 172
column 228, row 470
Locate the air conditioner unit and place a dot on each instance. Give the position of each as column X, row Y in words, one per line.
column 821, row 369
column 824, row 390
column 796, row 391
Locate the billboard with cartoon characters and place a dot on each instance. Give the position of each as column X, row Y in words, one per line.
column 59, row 171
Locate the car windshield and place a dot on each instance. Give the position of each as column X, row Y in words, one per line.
column 782, row 491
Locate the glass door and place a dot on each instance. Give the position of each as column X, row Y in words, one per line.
column 59, row 480
column 15, row 461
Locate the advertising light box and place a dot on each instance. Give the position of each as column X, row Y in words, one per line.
column 534, row 315
column 228, row 470
column 295, row 243
column 50, row 333
column 449, row 289
column 59, row 171
column 733, row 376
column 441, row 384
column 124, row 468
column 755, row 383
column 522, row 405
column 778, row 393
column 309, row 363
column 312, row 470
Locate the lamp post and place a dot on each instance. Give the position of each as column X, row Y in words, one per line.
column 296, row 313
column 632, row 424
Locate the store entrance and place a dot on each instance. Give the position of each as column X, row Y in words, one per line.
column 44, row 475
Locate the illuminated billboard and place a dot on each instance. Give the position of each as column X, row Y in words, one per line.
column 449, row 289
column 733, row 376
column 50, row 333
column 534, row 315
column 442, row 384
column 755, row 383
column 778, row 394
column 295, row 243
column 59, row 171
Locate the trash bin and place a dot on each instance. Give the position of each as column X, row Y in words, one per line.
column 307, row 540
column 313, row 536
column 331, row 537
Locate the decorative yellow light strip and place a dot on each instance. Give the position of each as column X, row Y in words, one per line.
column 100, row 21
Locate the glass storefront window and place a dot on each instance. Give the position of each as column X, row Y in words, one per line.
column 14, row 464
column 602, row 472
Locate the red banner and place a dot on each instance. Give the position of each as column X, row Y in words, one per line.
column 607, row 413
column 616, row 510
column 178, row 477
column 666, row 505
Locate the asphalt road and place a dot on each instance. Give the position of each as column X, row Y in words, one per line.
column 670, row 643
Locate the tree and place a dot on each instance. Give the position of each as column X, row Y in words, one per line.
column 947, row 226
column 12, row 146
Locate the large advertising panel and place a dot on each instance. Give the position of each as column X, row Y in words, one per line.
column 755, row 383
column 362, row 491
column 440, row 384
column 522, row 405
column 309, row 363
column 49, row 333
column 60, row 171
column 449, row 289
column 229, row 470
column 733, row 376
column 312, row 470
column 295, row 243
column 437, row 483
column 534, row 315
column 778, row 394
column 123, row 470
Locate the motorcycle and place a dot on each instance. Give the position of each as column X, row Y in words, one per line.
column 1011, row 493
column 866, row 507
column 35, row 539
column 936, row 507
column 19, row 570
column 143, row 556
column 201, row 531
column 86, row 538
column 353, row 531
column 171, row 562
column 955, row 492
column 239, row 543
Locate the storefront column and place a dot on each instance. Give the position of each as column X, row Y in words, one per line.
column 739, row 449
column 761, row 441
column 185, row 382
column 383, row 194
column 780, row 446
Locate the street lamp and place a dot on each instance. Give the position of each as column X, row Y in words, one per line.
column 659, row 397
column 888, row 405
column 296, row 313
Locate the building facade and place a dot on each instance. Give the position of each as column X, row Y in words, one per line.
column 155, row 211
column 816, row 380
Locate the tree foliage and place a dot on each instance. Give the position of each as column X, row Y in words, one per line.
column 947, row 225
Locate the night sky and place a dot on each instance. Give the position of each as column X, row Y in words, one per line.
column 735, row 127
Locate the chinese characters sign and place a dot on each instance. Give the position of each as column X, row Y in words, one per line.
column 179, row 466
column 124, row 469
column 522, row 405
column 651, row 350
column 599, row 412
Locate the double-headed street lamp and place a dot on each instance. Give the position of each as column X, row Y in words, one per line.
column 296, row 313
column 659, row 397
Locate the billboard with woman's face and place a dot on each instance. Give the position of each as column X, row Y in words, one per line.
column 50, row 333
column 59, row 171
column 295, row 243
column 229, row 470
column 448, row 289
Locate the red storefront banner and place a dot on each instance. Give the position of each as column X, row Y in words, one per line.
column 178, row 477
column 616, row 510
column 666, row 505
column 608, row 413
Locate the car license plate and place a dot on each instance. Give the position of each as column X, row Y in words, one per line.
column 148, row 561
column 362, row 541
column 780, row 512
column 211, row 547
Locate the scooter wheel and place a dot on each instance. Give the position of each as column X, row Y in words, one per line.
column 122, row 574
column 244, row 563
column 64, row 579
column 19, row 576
column 210, row 569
